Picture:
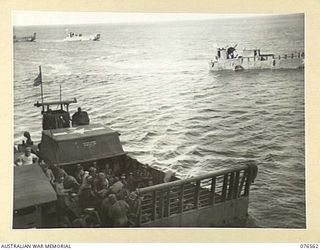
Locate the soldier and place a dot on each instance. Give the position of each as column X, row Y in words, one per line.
column 134, row 203
column 100, row 185
column 28, row 142
column 80, row 118
column 93, row 172
column 79, row 173
column 62, row 195
column 105, row 206
column 48, row 172
column 86, row 195
column 71, row 183
column 118, row 212
column 131, row 182
column 27, row 158
column 116, row 187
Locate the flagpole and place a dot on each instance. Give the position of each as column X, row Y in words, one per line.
column 41, row 88
column 60, row 93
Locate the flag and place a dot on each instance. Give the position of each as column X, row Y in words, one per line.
column 38, row 80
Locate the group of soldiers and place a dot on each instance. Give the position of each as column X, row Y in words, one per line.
column 54, row 121
column 97, row 197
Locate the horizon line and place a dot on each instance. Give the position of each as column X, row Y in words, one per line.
column 45, row 18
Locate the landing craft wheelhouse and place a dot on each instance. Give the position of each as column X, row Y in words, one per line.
column 229, row 58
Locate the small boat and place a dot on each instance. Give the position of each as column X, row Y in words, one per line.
column 25, row 38
column 79, row 37
column 228, row 58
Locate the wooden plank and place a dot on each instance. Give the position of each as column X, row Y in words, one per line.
column 231, row 184
column 236, row 185
column 27, row 195
column 181, row 196
column 154, row 207
column 248, row 179
column 224, row 187
column 167, row 204
column 161, row 205
column 241, row 184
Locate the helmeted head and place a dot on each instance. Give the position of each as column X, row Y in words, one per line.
column 79, row 109
column 112, row 198
column 101, row 176
column 60, row 177
column 62, row 173
column 133, row 196
column 27, row 135
column 92, row 171
column 89, row 179
column 44, row 166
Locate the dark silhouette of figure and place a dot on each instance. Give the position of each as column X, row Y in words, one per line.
column 29, row 141
column 118, row 212
column 80, row 118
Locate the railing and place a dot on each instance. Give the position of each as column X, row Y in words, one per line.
column 293, row 55
column 173, row 198
column 267, row 57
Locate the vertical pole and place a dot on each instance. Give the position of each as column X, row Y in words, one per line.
column 181, row 198
column 167, row 205
column 41, row 88
column 248, row 182
column 60, row 93
column 154, row 206
column 236, row 185
column 242, row 183
column 196, row 197
column 213, row 190
column 224, row 187
column 231, row 184
column 161, row 204
column 138, row 221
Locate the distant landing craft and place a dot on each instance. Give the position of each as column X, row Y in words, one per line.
column 25, row 39
column 79, row 37
column 228, row 59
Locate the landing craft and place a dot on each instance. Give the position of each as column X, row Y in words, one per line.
column 25, row 39
column 229, row 58
column 155, row 198
column 74, row 37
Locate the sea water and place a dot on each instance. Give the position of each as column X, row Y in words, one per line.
column 150, row 82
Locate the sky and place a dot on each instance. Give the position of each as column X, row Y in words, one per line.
column 27, row 18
